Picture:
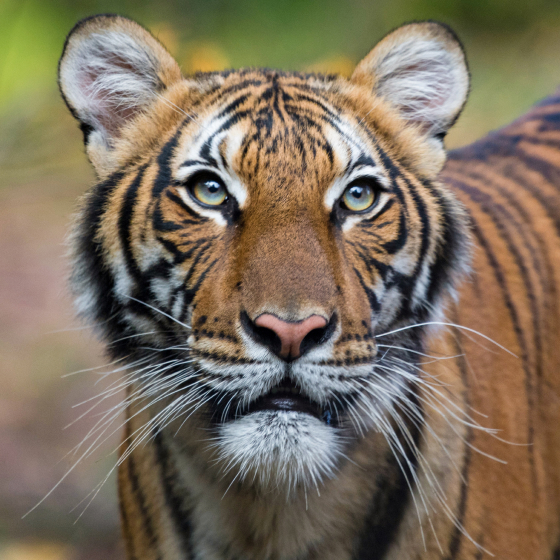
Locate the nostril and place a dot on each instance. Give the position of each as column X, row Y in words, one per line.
column 263, row 335
column 318, row 336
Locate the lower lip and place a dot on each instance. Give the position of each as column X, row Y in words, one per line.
column 286, row 403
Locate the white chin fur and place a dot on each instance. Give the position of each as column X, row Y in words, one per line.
column 279, row 450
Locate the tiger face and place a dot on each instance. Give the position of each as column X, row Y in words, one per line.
column 254, row 231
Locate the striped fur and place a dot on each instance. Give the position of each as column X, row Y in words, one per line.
column 422, row 438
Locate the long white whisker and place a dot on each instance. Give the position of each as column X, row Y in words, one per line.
column 159, row 311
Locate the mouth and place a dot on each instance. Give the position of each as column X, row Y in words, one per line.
column 287, row 397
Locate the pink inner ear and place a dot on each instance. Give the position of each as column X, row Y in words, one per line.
column 116, row 91
column 425, row 106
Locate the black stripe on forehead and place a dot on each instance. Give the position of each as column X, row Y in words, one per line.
column 223, row 92
column 257, row 77
column 308, row 108
column 205, row 152
column 363, row 160
column 320, row 102
column 164, row 178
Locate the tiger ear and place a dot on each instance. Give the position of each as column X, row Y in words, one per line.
column 420, row 69
column 110, row 71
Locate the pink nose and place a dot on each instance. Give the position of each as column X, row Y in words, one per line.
column 290, row 334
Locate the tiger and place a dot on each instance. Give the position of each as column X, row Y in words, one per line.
column 337, row 341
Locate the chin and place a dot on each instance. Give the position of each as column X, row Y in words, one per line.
column 278, row 451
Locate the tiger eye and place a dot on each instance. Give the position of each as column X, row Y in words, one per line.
column 359, row 196
column 209, row 191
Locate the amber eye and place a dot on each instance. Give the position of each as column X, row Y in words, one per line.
column 359, row 196
column 208, row 189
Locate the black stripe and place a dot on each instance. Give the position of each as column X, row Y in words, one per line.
column 193, row 163
column 492, row 208
column 161, row 224
column 319, row 103
column 556, row 553
column 373, row 220
column 125, row 220
column 512, row 171
column 202, row 249
column 425, row 223
column 191, row 293
column 395, row 245
column 550, row 204
column 196, row 219
column 452, row 252
column 233, row 120
column 235, row 88
column 129, row 542
column 362, row 161
column 174, row 499
column 499, row 275
column 372, row 298
column 90, row 262
column 389, row 504
column 457, row 535
column 385, row 271
column 205, row 151
column 141, row 503
column 164, row 178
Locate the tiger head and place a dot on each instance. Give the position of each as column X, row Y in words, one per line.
column 254, row 232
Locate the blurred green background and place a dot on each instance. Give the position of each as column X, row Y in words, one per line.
column 513, row 48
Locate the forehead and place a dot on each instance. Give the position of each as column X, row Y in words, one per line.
column 267, row 126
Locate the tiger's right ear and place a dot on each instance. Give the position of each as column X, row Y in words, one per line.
column 421, row 70
column 110, row 71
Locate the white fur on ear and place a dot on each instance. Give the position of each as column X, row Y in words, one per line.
column 420, row 68
column 112, row 69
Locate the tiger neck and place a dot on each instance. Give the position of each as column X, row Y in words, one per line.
column 326, row 522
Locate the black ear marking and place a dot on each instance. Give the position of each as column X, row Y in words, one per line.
column 86, row 129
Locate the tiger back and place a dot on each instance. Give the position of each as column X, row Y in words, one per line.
column 510, row 183
column 335, row 350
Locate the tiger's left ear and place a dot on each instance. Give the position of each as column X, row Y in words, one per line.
column 111, row 71
column 420, row 69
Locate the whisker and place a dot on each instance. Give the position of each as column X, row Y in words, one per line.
column 440, row 323
column 159, row 311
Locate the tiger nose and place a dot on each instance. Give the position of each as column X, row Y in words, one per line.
column 310, row 331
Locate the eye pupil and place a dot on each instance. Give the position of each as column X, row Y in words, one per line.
column 356, row 192
column 212, row 186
